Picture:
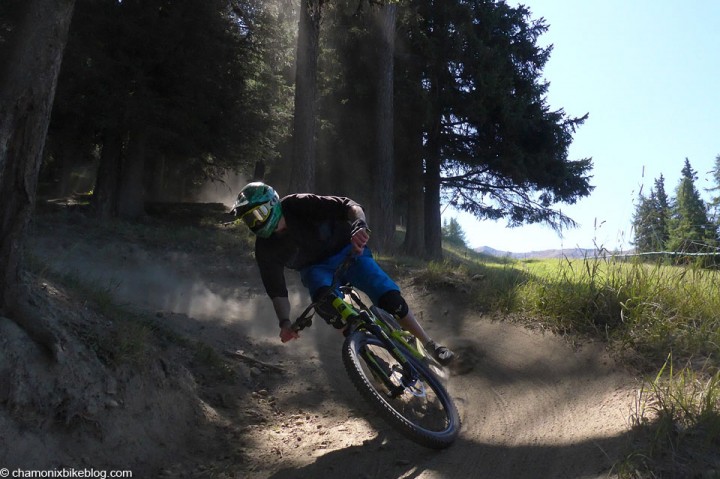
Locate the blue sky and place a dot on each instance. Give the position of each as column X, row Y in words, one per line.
column 648, row 73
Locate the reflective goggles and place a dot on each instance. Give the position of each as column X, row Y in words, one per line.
column 258, row 215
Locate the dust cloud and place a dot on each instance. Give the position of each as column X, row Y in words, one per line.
column 189, row 297
column 222, row 191
column 170, row 283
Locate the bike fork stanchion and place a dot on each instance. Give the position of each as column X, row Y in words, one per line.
column 410, row 375
column 382, row 374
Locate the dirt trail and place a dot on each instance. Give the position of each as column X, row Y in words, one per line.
column 532, row 405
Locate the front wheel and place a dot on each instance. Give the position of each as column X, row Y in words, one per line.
column 422, row 410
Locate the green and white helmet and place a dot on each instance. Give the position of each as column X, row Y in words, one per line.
column 258, row 205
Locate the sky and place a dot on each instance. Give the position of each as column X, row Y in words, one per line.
column 648, row 74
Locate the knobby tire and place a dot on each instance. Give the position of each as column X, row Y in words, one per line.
column 428, row 417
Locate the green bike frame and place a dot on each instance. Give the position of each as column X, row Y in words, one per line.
column 390, row 336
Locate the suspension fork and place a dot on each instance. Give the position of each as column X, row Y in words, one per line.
column 380, row 332
column 410, row 374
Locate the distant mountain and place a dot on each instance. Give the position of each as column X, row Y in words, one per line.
column 544, row 254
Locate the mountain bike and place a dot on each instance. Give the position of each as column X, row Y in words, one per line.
column 391, row 369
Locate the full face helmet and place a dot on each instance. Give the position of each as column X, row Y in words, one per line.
column 258, row 205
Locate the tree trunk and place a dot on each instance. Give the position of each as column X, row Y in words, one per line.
column 27, row 92
column 433, row 226
column 302, row 177
column 69, row 156
column 158, row 189
column 108, row 176
column 383, row 213
column 414, row 244
column 259, row 172
column 131, row 190
column 433, row 155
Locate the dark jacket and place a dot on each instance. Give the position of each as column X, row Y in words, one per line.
column 317, row 227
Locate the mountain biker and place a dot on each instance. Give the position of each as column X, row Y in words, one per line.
column 314, row 234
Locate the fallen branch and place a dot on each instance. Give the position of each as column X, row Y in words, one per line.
column 240, row 355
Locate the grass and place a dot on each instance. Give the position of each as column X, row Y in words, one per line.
column 663, row 317
column 677, row 422
column 650, row 309
column 490, row 282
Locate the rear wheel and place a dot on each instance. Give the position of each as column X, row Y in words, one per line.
column 423, row 411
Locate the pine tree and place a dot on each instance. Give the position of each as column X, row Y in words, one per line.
column 453, row 233
column 487, row 128
column 690, row 229
column 650, row 220
column 661, row 212
column 642, row 227
column 714, row 204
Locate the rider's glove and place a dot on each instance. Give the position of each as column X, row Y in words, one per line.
column 359, row 236
column 286, row 331
column 359, row 225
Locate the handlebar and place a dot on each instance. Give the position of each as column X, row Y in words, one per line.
column 304, row 320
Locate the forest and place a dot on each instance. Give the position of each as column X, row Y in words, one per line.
column 401, row 105
column 681, row 225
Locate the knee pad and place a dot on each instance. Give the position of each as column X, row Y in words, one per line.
column 394, row 303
